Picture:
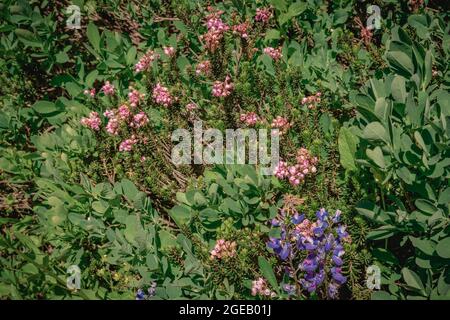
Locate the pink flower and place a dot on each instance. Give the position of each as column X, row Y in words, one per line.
column 191, row 106
column 223, row 89
column 109, row 113
column 275, row 54
column 203, row 67
column 223, row 249
column 312, row 100
column 241, row 29
column 249, row 118
column 281, row 123
column 139, row 120
column 112, row 127
column 90, row 92
column 259, row 287
column 123, row 112
column 127, row 145
column 216, row 29
column 108, row 88
column 169, row 51
column 306, row 165
column 281, row 170
column 162, row 95
column 214, row 21
column 145, row 61
column 92, row 122
column 134, row 97
column 263, row 15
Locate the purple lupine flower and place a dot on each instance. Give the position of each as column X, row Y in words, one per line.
column 341, row 232
column 152, row 290
column 140, row 295
column 329, row 242
column 337, row 216
column 275, row 222
column 333, row 289
column 338, row 252
column 322, row 214
column 297, row 218
column 337, row 275
column 289, row 289
column 321, row 241
column 285, row 251
column 309, row 264
column 273, row 243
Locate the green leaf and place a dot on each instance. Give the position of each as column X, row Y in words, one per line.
column 28, row 38
column 381, row 233
column 398, row 89
column 412, row 279
column 376, row 155
column 347, row 142
column 272, row 34
column 340, row 16
column 400, row 62
column 180, row 214
column 375, row 131
column 44, row 107
column 382, row 295
column 93, row 36
column 424, row 245
column 129, row 189
column 131, row 55
column 443, row 248
column 425, row 206
column 267, row 272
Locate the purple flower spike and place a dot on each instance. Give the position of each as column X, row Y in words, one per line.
column 297, row 218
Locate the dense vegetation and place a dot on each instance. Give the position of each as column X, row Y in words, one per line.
column 86, row 177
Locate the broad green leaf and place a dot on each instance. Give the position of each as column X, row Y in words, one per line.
column 375, row 131
column 400, row 61
column 443, row 248
column 347, row 148
column 267, row 272
column 398, row 88
column 45, row 107
column 376, row 155
column 412, row 279
column 93, row 36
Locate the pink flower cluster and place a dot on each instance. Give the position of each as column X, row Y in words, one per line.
column 281, row 123
column 312, row 100
column 306, row 164
column 127, row 145
column 191, row 106
column 223, row 249
column 122, row 115
column 250, row 118
column 90, row 92
column 162, row 95
column 241, row 29
column 306, row 228
column 259, row 287
column 134, row 97
column 139, row 120
column 169, row 51
column 216, row 29
column 108, row 88
column 274, row 53
column 92, row 122
column 263, row 15
column 204, row 67
column 145, row 61
column 223, row 89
